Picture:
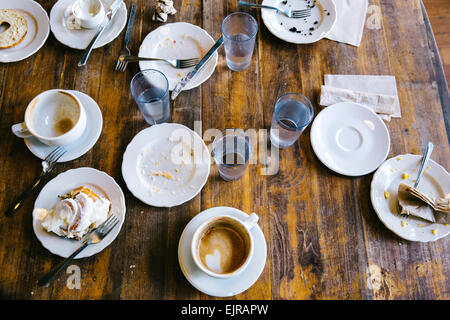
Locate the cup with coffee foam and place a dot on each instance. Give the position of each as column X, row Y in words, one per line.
column 55, row 117
column 222, row 246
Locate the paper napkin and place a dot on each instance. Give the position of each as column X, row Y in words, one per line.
column 349, row 26
column 377, row 92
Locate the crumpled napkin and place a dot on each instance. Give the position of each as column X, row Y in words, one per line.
column 349, row 26
column 377, row 92
column 415, row 203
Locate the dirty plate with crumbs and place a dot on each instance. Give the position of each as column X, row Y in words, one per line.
column 435, row 182
column 302, row 30
column 166, row 165
column 178, row 40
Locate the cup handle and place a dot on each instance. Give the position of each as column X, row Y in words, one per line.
column 251, row 221
column 20, row 130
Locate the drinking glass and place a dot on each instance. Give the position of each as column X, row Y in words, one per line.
column 292, row 114
column 231, row 149
column 150, row 90
column 239, row 30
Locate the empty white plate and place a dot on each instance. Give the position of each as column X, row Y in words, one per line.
column 64, row 182
column 435, row 182
column 38, row 29
column 303, row 30
column 350, row 139
column 214, row 286
column 166, row 165
column 178, row 40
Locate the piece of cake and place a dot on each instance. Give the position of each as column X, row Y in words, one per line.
column 75, row 214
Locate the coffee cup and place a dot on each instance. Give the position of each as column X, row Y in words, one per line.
column 55, row 117
column 90, row 13
column 222, row 246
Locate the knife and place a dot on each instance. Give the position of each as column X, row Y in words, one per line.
column 191, row 74
column 109, row 17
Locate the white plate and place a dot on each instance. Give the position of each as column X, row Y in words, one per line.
column 90, row 136
column 38, row 30
column 214, row 286
column 435, row 182
column 350, row 139
column 156, row 150
column 190, row 42
column 80, row 39
column 65, row 182
column 322, row 19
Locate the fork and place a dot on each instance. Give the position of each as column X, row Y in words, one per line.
column 426, row 156
column 47, row 165
column 289, row 12
column 122, row 65
column 176, row 63
column 92, row 237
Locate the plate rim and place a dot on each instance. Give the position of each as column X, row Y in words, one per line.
column 175, row 203
column 44, row 38
column 377, row 210
column 99, row 248
column 269, row 27
column 318, row 154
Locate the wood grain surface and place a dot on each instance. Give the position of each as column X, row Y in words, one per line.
column 323, row 237
column 439, row 14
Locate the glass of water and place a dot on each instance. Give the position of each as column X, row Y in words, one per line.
column 150, row 90
column 231, row 149
column 292, row 114
column 239, row 30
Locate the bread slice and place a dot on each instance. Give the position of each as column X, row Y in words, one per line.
column 17, row 29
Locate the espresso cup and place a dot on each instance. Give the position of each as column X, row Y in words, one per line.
column 55, row 117
column 222, row 246
column 91, row 13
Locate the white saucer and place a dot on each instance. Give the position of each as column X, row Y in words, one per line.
column 214, row 286
column 65, row 182
column 435, row 182
column 38, row 30
column 322, row 20
column 350, row 139
column 90, row 136
column 80, row 39
column 190, row 42
column 153, row 170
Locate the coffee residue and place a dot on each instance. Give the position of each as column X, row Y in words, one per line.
column 64, row 125
column 222, row 249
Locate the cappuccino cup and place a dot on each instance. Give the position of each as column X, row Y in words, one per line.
column 222, row 246
column 55, row 117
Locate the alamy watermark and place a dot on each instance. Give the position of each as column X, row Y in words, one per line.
column 189, row 148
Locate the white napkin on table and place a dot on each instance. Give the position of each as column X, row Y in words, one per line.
column 349, row 26
column 377, row 92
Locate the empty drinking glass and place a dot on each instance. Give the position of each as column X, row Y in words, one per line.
column 239, row 30
column 150, row 90
column 231, row 150
column 292, row 114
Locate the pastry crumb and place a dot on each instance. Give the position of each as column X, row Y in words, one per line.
column 386, row 195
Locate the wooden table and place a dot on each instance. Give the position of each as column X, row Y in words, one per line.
column 324, row 239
